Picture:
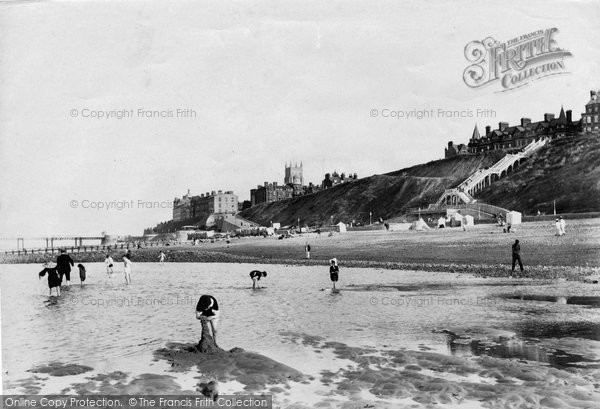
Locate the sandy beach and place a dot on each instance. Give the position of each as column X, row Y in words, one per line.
column 481, row 250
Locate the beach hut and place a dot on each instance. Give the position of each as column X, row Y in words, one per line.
column 456, row 220
column 441, row 223
column 419, row 225
column 469, row 220
column 341, row 227
column 513, row 218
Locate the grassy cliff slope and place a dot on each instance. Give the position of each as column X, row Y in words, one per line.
column 385, row 196
column 566, row 170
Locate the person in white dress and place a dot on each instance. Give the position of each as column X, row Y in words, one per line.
column 108, row 262
column 558, row 227
column 562, row 225
column 127, row 269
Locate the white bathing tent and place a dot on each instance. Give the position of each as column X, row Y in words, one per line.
column 341, row 227
column 513, row 218
column 441, row 221
column 419, row 225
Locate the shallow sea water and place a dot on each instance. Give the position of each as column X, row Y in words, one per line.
column 110, row 326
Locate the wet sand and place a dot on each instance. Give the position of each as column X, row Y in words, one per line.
column 357, row 377
column 533, row 343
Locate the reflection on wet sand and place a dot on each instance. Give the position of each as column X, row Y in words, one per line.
column 517, row 349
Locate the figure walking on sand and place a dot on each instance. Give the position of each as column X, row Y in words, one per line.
column 307, row 250
column 207, row 310
column 255, row 275
column 516, row 255
column 64, row 262
column 161, row 258
column 127, row 269
column 562, row 225
column 334, row 271
column 108, row 262
column 54, row 279
column 81, row 273
column 558, row 228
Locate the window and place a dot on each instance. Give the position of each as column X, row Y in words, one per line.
column 595, row 118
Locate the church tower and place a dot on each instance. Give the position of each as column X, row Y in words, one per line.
column 293, row 174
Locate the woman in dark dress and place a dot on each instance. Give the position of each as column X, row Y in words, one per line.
column 334, row 271
column 81, row 268
column 54, row 279
column 255, row 275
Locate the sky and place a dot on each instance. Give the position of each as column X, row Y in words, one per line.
column 263, row 83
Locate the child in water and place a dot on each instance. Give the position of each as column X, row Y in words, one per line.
column 54, row 279
column 127, row 269
column 81, row 273
column 334, row 271
column 255, row 275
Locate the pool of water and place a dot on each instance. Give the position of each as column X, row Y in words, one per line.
column 111, row 326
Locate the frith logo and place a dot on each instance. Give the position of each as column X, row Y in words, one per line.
column 516, row 62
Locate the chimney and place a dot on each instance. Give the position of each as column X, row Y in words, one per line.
column 266, row 184
column 592, row 94
column 220, row 192
column 525, row 121
column 548, row 117
column 488, row 129
column 569, row 116
column 355, row 176
column 275, row 184
column 502, row 126
column 212, row 193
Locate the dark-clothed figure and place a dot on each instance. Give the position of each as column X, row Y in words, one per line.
column 81, row 268
column 516, row 255
column 54, row 279
column 64, row 262
column 255, row 275
column 207, row 309
column 334, row 271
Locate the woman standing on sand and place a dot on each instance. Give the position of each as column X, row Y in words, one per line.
column 334, row 271
column 127, row 269
column 108, row 261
